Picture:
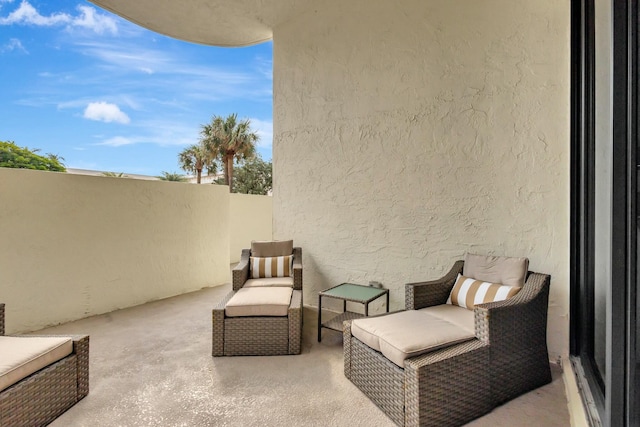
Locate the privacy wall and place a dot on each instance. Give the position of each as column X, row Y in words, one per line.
column 72, row 246
column 408, row 133
column 250, row 218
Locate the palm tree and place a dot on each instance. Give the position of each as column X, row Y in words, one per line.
column 195, row 158
column 229, row 139
column 171, row 176
column 115, row 174
column 56, row 157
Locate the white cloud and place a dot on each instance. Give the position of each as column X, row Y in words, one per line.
column 127, row 56
column 118, row 141
column 13, row 44
column 158, row 132
column 264, row 129
column 87, row 18
column 264, row 67
column 105, row 112
column 27, row 14
column 131, row 57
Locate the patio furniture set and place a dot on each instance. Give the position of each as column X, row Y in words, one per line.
column 464, row 344
column 41, row 376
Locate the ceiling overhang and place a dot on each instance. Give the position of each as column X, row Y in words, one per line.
column 209, row 22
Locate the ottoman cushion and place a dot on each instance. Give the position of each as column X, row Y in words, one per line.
column 269, row 281
column 22, row 356
column 407, row 334
column 261, row 301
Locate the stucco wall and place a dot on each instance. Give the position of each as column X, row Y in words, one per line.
column 407, row 133
column 73, row 246
column 250, row 219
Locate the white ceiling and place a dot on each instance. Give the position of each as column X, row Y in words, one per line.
column 210, row 22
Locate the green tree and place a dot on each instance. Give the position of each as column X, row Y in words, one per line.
column 195, row 158
column 12, row 156
column 229, row 140
column 254, row 177
column 171, row 176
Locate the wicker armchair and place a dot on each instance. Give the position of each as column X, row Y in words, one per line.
column 453, row 385
column 259, row 335
column 44, row 395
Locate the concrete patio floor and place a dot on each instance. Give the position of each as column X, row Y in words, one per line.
column 151, row 365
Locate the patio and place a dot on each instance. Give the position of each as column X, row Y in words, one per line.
column 151, row 365
column 406, row 134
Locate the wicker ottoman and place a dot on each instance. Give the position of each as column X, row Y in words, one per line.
column 258, row 322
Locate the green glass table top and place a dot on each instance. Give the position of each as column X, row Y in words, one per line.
column 354, row 292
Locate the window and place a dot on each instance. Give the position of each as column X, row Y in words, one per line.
column 604, row 199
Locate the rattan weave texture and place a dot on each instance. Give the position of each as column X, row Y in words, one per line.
column 448, row 387
column 454, row 385
column 382, row 381
column 43, row 396
column 258, row 336
column 240, row 273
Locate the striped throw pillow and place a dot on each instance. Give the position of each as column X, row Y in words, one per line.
column 468, row 292
column 280, row 266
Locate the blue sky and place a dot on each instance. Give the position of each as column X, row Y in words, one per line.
column 105, row 94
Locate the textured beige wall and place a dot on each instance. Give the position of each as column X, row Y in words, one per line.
column 73, row 246
column 407, row 133
column 250, row 219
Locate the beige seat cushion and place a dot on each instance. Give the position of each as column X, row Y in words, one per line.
column 265, row 301
column 22, row 356
column 454, row 314
column 271, row 248
column 269, row 281
column 407, row 334
column 496, row 269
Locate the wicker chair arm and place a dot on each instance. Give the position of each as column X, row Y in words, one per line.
column 514, row 316
column 435, row 292
column 217, row 323
column 1, row 319
column 223, row 302
column 241, row 270
column 297, row 268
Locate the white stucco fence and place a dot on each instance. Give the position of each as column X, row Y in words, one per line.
column 250, row 219
column 73, row 246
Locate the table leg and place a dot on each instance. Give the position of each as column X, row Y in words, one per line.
column 319, row 318
column 366, row 309
column 344, row 306
column 387, row 302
